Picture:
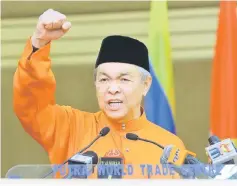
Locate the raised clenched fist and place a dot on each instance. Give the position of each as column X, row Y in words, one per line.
column 51, row 25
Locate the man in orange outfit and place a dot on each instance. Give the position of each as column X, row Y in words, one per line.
column 121, row 78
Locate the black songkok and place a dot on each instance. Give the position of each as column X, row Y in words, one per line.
column 123, row 49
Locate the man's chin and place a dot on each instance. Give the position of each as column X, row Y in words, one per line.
column 115, row 115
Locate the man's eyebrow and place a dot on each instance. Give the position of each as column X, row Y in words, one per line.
column 103, row 73
column 125, row 74
column 121, row 74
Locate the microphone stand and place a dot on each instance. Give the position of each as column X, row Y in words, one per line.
column 141, row 139
column 82, row 150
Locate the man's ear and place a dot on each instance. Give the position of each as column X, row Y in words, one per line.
column 147, row 85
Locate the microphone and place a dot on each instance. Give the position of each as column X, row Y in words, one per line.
column 87, row 157
column 135, row 137
column 102, row 133
column 221, row 152
column 183, row 171
column 176, row 157
column 187, row 172
column 213, row 139
column 81, row 165
column 172, row 155
column 216, row 153
column 180, row 157
column 111, row 165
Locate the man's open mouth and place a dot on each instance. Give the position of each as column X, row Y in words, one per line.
column 115, row 104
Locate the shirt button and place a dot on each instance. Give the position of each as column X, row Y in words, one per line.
column 127, row 149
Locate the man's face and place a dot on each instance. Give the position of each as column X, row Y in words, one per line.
column 120, row 89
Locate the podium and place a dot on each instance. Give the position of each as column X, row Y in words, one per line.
column 29, row 172
column 106, row 172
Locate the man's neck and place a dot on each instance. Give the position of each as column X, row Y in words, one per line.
column 134, row 114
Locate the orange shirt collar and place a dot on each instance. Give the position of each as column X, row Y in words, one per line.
column 129, row 126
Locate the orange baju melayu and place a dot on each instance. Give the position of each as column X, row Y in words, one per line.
column 62, row 130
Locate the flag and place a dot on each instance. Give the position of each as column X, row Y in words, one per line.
column 159, row 102
column 223, row 107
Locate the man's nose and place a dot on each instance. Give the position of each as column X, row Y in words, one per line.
column 114, row 88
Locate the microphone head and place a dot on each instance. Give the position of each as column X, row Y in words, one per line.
column 93, row 155
column 191, row 160
column 132, row 136
column 166, row 154
column 213, row 140
column 104, row 131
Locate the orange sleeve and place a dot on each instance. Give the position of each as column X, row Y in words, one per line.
column 34, row 100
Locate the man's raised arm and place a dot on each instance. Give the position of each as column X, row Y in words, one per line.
column 34, row 85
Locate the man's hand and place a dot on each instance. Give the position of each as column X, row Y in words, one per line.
column 51, row 25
